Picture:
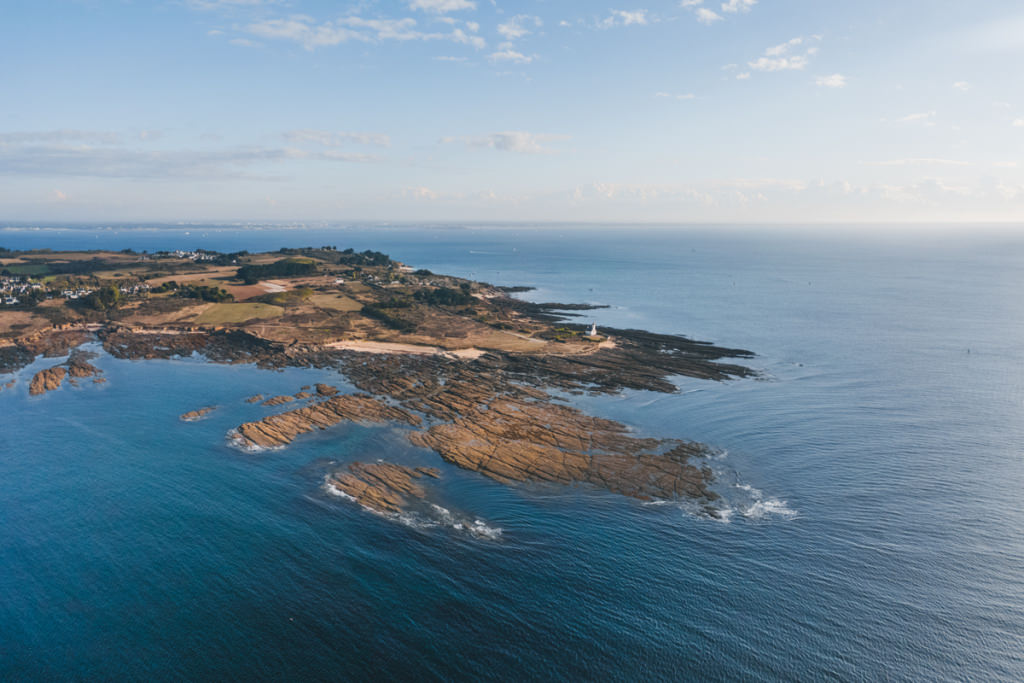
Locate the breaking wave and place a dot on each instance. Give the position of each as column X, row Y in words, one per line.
column 433, row 517
column 236, row 440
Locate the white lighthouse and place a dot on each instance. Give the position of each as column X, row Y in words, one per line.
column 593, row 329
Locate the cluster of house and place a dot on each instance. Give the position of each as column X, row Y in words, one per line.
column 195, row 255
column 12, row 287
column 135, row 288
column 77, row 293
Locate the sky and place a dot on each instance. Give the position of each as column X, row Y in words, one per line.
column 750, row 111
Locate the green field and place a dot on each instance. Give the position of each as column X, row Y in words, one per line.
column 335, row 302
column 26, row 268
column 219, row 314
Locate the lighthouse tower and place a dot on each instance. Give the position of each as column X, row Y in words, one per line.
column 593, row 329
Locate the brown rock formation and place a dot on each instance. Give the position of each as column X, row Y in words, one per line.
column 254, row 399
column 280, row 430
column 326, row 390
column 79, row 366
column 194, row 415
column 530, row 441
column 302, row 395
column 279, row 400
column 47, row 380
column 382, row 486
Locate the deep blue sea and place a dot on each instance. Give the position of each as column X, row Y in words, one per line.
column 875, row 477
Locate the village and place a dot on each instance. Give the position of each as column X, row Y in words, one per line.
column 16, row 290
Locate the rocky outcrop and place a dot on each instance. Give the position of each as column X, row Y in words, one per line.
column 279, row 400
column 326, row 390
column 530, row 441
column 195, row 415
column 254, row 399
column 281, row 429
column 47, row 380
column 384, row 487
column 79, row 366
column 52, row 343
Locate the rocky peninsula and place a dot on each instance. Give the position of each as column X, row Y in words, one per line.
column 465, row 369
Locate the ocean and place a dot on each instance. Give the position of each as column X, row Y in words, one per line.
column 873, row 476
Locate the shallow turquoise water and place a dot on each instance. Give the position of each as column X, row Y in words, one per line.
column 875, row 479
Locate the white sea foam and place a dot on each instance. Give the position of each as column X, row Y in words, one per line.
column 772, row 506
column 759, row 507
column 236, row 440
column 433, row 517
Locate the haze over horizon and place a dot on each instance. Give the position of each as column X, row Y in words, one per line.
column 454, row 110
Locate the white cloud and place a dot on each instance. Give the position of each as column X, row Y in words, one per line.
column 927, row 118
column 1018, row 123
column 441, row 6
column 784, row 47
column 670, row 96
column 794, row 63
column 332, row 139
column 707, row 17
column 734, row 6
column 778, row 57
column 460, row 36
column 512, row 141
column 516, row 27
column 963, row 86
column 920, row 162
column 833, row 81
column 420, row 193
column 510, row 55
column 620, row 17
column 58, row 196
column 691, row 3
column 227, row 4
column 303, row 29
column 61, row 136
column 743, row 76
column 55, row 158
column 244, row 42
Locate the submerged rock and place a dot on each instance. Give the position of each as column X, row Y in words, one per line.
column 194, row 415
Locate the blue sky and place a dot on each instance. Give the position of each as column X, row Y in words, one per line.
column 682, row 111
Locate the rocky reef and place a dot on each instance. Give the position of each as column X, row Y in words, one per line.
column 195, row 415
column 77, row 367
column 47, row 380
column 382, row 486
column 279, row 430
column 279, row 400
column 542, row 442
